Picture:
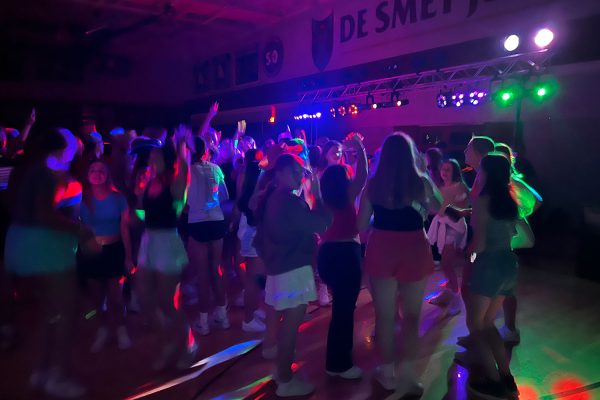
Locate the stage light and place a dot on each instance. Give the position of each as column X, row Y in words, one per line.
column 506, row 96
column 543, row 38
column 477, row 97
column 374, row 106
column 318, row 115
column 458, row 99
column 398, row 103
column 442, row 100
column 353, row 110
column 341, row 111
column 272, row 120
column 332, row 111
column 543, row 90
column 511, row 43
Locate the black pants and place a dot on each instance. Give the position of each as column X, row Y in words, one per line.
column 339, row 268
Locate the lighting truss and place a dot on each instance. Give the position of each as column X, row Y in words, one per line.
column 505, row 67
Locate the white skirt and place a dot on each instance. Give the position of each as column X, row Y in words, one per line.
column 162, row 250
column 291, row 289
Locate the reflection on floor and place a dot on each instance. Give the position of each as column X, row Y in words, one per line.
column 558, row 358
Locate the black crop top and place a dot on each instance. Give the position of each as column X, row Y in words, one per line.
column 398, row 219
column 160, row 210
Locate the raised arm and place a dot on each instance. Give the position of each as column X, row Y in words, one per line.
column 362, row 168
column 212, row 111
column 180, row 182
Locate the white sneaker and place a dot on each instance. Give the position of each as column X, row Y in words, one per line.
column 123, row 339
column 352, row 373
column 63, row 388
column 510, row 336
column 261, row 314
column 295, row 387
column 324, row 299
column 100, row 341
column 269, row 353
column 386, row 376
column 220, row 317
column 201, row 328
column 254, row 326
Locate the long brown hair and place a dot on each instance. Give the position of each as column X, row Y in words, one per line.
column 88, row 196
column 396, row 182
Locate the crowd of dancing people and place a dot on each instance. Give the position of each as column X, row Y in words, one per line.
column 133, row 219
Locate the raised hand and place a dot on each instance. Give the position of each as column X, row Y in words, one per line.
column 182, row 132
column 31, row 119
column 213, row 110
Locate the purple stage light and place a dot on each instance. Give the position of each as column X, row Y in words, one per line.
column 543, row 38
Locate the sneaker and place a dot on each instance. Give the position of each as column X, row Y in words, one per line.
column 510, row 336
column 487, row 390
column 123, row 339
column 324, row 299
column 386, row 376
column 100, row 341
column 220, row 317
column 201, row 328
column 295, row 387
column 352, row 373
column 455, row 305
column 463, row 341
column 63, row 388
column 255, row 325
column 509, row 383
column 269, row 353
column 260, row 314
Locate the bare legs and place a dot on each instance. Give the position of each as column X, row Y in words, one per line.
column 252, row 290
column 488, row 347
column 204, row 259
column 282, row 329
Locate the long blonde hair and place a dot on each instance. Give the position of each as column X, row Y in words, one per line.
column 396, row 182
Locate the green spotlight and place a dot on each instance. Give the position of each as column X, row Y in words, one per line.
column 541, row 92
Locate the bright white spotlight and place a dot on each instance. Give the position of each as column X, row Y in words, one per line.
column 318, row 115
column 511, row 43
column 543, row 38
